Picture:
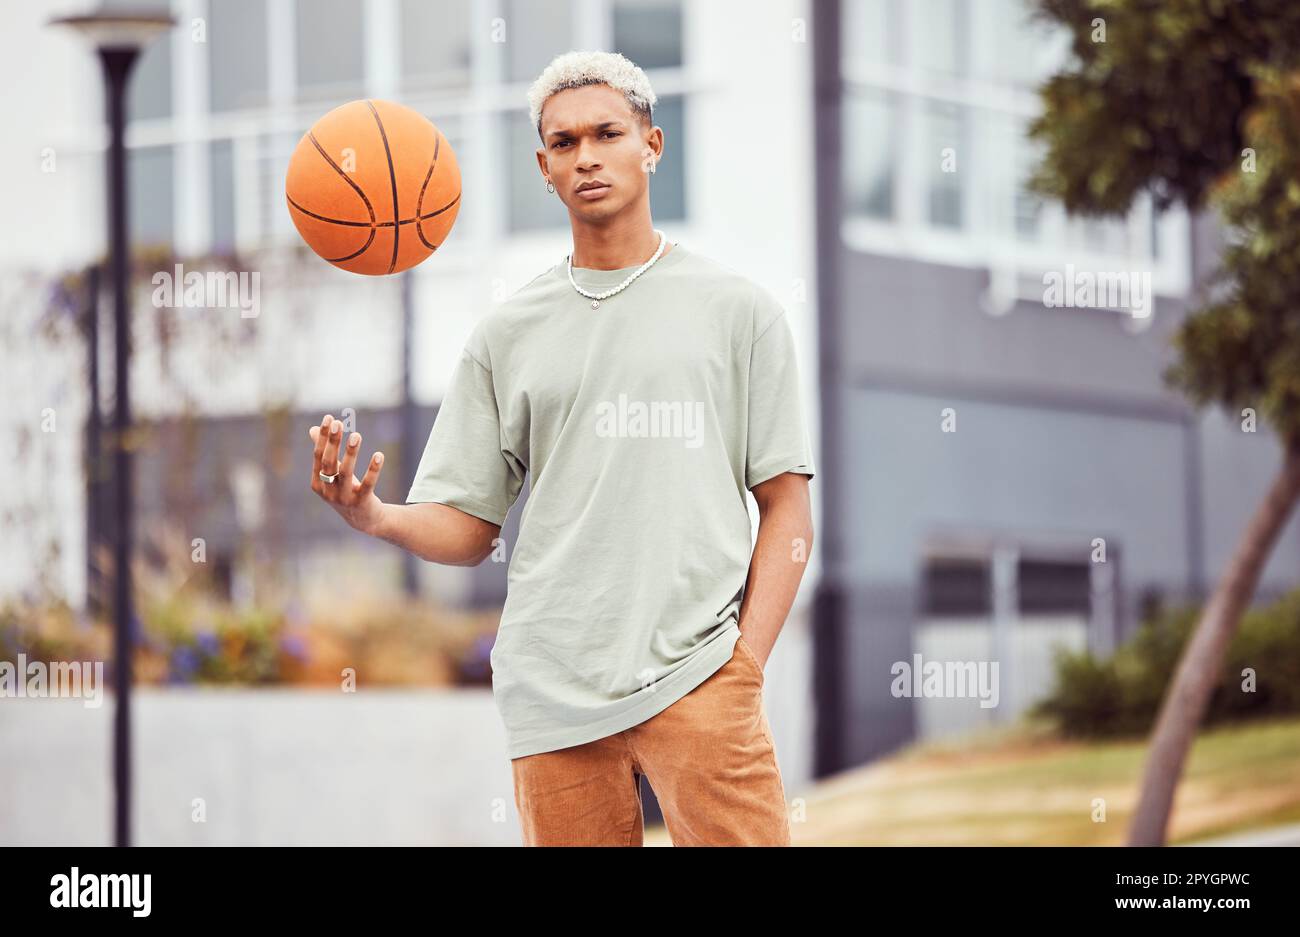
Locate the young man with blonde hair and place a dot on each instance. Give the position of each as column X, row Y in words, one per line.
column 645, row 388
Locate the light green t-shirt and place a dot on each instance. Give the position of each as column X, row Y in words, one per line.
column 642, row 423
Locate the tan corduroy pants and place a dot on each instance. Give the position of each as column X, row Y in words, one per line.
column 709, row 758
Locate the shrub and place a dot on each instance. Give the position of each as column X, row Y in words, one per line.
column 1121, row 695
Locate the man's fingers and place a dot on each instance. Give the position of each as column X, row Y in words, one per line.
column 371, row 477
column 318, row 434
column 329, row 458
column 321, row 432
column 350, row 459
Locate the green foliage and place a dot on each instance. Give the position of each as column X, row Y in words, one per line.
column 59, row 635
column 207, row 643
column 188, row 635
column 1195, row 101
column 1121, row 696
column 1159, row 105
column 1243, row 349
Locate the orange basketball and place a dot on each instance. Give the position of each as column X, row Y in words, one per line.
column 373, row 187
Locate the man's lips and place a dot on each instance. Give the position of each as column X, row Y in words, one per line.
column 593, row 191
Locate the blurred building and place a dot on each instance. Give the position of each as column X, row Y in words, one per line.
column 987, row 443
column 215, row 111
column 903, row 245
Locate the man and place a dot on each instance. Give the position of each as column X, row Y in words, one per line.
column 644, row 387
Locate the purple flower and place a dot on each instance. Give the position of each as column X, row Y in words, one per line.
column 293, row 644
column 208, row 643
column 475, row 666
column 184, row 663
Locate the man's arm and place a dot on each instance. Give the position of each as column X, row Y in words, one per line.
column 434, row 532
column 438, row 533
column 785, row 536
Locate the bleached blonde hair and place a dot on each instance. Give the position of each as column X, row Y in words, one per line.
column 576, row 69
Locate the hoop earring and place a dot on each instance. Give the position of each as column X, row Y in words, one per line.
column 653, row 165
column 550, row 186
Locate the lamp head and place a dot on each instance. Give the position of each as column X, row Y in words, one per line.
column 117, row 29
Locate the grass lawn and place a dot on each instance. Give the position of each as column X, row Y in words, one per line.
column 1023, row 787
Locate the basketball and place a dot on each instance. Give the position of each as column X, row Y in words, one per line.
column 373, row 187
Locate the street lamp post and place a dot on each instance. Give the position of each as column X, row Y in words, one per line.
column 118, row 38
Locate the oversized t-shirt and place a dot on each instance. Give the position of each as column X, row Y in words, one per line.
column 642, row 423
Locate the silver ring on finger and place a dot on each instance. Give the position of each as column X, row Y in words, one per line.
column 328, row 478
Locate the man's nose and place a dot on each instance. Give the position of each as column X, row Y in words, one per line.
column 587, row 157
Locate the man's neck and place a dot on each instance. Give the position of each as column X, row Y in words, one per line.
column 615, row 255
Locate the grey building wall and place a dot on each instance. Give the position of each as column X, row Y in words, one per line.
column 1064, row 433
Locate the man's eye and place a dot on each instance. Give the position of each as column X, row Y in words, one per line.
column 614, row 132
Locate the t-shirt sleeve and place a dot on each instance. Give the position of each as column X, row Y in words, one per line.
column 467, row 461
column 778, row 434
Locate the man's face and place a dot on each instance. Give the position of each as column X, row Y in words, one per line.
column 595, row 150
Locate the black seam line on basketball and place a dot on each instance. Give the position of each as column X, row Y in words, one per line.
column 423, row 218
column 419, row 203
column 392, row 177
column 369, row 208
column 369, row 224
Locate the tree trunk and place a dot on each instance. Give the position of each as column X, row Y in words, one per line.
column 1202, row 660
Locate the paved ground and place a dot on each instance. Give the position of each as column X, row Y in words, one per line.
column 1277, row 836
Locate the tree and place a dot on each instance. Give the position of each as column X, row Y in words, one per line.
column 1197, row 101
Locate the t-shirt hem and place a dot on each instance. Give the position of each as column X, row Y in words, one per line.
column 796, row 465
column 705, row 663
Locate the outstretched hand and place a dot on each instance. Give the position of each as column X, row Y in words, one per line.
column 355, row 500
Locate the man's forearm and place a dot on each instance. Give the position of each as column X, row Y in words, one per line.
column 437, row 533
column 775, row 571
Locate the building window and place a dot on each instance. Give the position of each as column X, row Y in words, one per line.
column 1053, row 587
column 871, row 138
column 530, row 207
column 1013, row 50
column 1027, row 210
column 222, row 172
column 869, row 32
column 963, row 586
column 668, row 184
column 536, row 31
column 330, row 50
column 954, row 587
column 150, row 92
column 932, row 82
column 435, row 45
column 945, row 126
column 649, row 32
column 939, row 39
column 237, row 60
column 151, row 213
column 1016, row 605
column 428, row 51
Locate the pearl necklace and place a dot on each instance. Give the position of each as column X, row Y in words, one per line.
column 597, row 297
